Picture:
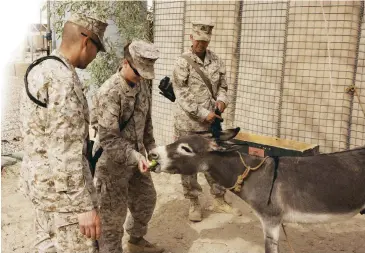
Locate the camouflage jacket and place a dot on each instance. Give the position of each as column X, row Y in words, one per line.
column 55, row 172
column 194, row 100
column 114, row 103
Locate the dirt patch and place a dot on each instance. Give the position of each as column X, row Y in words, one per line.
column 217, row 233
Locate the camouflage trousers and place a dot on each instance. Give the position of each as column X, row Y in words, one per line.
column 119, row 188
column 59, row 232
column 191, row 187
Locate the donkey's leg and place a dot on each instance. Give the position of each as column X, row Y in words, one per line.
column 271, row 236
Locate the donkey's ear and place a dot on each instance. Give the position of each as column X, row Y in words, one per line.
column 205, row 134
column 224, row 135
column 229, row 134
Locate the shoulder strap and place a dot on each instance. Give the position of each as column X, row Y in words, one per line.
column 124, row 123
column 31, row 66
column 198, row 70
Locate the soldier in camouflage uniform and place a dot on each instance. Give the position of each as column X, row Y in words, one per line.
column 123, row 108
column 55, row 172
column 196, row 106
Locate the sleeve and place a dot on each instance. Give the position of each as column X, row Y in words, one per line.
column 67, row 128
column 223, row 87
column 148, row 139
column 109, row 110
column 184, row 97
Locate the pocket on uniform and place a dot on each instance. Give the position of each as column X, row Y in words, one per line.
column 61, row 182
column 103, row 196
column 65, row 219
column 215, row 74
column 69, row 237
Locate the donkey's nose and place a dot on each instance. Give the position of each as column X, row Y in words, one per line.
column 153, row 156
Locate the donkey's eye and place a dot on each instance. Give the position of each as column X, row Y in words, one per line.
column 187, row 149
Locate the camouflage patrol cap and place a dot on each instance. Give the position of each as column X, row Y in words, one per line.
column 92, row 24
column 144, row 54
column 202, row 29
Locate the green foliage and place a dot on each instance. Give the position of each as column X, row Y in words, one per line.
column 104, row 65
column 130, row 17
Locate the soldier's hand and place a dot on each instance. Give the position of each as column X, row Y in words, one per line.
column 89, row 223
column 143, row 165
column 220, row 105
column 211, row 116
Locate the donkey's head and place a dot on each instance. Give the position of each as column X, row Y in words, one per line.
column 185, row 155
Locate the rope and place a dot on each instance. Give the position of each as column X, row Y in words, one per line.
column 183, row 26
column 287, row 239
column 237, row 186
column 351, row 107
column 353, row 89
column 328, row 48
column 248, row 167
column 232, row 112
column 282, row 77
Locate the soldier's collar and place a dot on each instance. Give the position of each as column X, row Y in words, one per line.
column 207, row 58
column 57, row 52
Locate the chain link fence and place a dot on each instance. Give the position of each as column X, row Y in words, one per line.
column 295, row 69
column 289, row 66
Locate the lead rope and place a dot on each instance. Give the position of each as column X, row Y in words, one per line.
column 287, row 239
column 237, row 186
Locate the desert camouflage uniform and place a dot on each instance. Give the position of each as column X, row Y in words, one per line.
column 55, row 172
column 62, row 230
column 194, row 102
column 119, row 183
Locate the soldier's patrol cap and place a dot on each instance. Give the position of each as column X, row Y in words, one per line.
column 202, row 29
column 92, row 24
column 144, row 54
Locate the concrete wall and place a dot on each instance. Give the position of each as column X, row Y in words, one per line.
column 277, row 58
column 288, row 66
column 315, row 104
column 169, row 27
column 260, row 66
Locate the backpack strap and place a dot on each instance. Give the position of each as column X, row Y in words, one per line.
column 201, row 74
column 31, row 66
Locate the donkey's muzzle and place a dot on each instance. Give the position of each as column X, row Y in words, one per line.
column 153, row 156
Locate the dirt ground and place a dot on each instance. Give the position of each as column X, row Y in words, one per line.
column 217, row 233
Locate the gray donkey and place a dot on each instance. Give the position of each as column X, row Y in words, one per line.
column 313, row 189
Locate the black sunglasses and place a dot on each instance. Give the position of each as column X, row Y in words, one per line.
column 92, row 40
column 134, row 70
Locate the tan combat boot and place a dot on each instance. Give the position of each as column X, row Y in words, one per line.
column 195, row 210
column 220, row 205
column 143, row 246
